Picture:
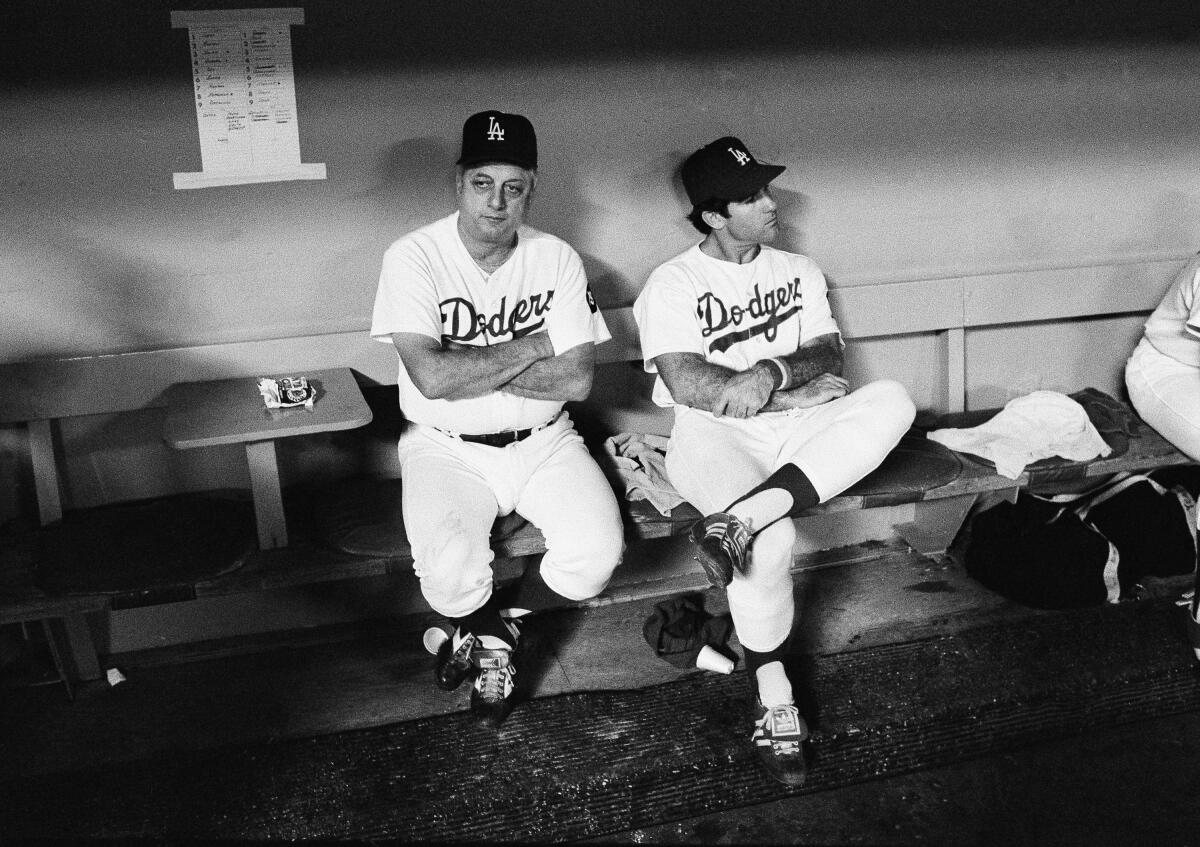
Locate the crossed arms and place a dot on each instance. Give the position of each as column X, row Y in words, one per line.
column 526, row 367
column 816, row 377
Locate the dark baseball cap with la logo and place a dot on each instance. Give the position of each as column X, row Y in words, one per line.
column 493, row 136
column 725, row 170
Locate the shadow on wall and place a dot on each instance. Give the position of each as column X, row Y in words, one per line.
column 122, row 303
column 416, row 186
column 794, row 207
column 416, row 182
column 567, row 210
column 109, row 38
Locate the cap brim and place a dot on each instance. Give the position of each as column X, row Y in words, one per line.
column 495, row 160
column 752, row 182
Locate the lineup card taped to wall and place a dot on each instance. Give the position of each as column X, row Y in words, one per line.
column 245, row 97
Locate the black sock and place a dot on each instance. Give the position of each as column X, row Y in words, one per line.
column 792, row 480
column 755, row 660
column 486, row 620
column 530, row 593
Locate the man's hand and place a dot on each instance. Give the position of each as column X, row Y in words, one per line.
column 816, row 391
column 744, row 394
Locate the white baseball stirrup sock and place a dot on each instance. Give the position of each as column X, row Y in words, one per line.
column 774, row 688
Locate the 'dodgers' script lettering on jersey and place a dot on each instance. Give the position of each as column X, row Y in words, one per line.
column 768, row 310
column 462, row 323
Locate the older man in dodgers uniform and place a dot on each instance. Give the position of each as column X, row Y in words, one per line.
column 495, row 328
column 750, row 357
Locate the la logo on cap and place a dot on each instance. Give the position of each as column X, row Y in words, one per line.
column 742, row 157
column 495, row 136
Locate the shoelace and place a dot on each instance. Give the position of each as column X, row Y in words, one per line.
column 784, row 718
column 463, row 653
column 492, row 683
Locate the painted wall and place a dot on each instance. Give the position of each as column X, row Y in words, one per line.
column 907, row 158
column 921, row 140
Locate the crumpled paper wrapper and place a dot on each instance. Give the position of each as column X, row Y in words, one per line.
column 287, row 392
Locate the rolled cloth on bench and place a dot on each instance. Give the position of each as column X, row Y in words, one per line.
column 639, row 459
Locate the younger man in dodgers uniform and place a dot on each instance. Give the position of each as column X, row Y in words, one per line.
column 495, row 328
column 750, row 357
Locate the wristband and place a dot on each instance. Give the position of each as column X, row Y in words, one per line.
column 778, row 373
column 786, row 370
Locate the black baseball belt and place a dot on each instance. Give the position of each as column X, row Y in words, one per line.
column 499, row 439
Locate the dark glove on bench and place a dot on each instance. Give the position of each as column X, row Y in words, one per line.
column 678, row 629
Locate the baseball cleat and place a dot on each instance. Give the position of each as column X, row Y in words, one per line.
column 454, row 660
column 491, row 697
column 779, row 736
column 722, row 546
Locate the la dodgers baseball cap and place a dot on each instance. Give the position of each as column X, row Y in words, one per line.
column 725, row 170
column 494, row 136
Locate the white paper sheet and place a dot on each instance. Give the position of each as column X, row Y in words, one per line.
column 245, row 96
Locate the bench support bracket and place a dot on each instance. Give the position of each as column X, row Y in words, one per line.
column 935, row 523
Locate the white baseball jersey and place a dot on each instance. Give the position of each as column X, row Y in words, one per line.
column 733, row 315
column 430, row 285
column 1174, row 326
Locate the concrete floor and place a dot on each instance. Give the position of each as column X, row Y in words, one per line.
column 374, row 673
column 1129, row 787
column 311, row 683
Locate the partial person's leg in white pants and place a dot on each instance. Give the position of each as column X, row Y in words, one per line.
column 712, row 461
column 449, row 509
column 842, row 441
column 568, row 498
column 1166, row 394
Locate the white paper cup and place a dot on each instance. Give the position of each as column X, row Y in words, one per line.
column 710, row 660
column 434, row 638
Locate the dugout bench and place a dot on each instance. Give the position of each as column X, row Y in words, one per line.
column 349, row 529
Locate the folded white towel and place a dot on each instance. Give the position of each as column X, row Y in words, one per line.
column 1035, row 426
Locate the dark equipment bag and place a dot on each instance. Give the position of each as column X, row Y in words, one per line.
column 1073, row 551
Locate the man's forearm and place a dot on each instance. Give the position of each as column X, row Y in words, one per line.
column 780, row 402
column 783, row 401
column 700, row 385
column 816, row 391
column 564, row 377
column 457, row 371
column 811, row 360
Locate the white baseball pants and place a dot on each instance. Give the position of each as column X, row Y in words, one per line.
column 714, row 461
column 1166, row 393
column 455, row 490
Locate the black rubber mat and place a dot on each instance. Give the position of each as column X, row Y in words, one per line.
column 585, row 764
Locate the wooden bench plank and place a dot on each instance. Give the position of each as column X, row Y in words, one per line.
column 1057, row 294
column 898, row 308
